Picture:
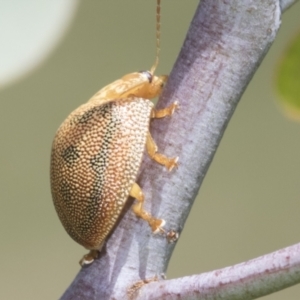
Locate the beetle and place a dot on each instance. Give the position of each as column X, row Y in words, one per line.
column 96, row 155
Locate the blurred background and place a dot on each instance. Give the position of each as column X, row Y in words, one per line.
column 54, row 56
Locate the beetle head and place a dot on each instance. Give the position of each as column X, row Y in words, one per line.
column 145, row 84
column 139, row 84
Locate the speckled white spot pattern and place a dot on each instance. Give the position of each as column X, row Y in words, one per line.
column 96, row 155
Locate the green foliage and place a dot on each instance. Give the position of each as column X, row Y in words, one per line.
column 288, row 80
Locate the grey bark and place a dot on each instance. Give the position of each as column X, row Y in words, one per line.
column 225, row 44
column 248, row 280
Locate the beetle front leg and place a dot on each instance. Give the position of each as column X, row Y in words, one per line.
column 137, row 193
column 151, row 147
column 167, row 111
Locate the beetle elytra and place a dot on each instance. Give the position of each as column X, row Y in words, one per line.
column 96, row 156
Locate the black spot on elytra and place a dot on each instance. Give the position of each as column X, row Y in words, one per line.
column 70, row 155
column 99, row 161
column 102, row 111
column 65, row 191
column 87, row 116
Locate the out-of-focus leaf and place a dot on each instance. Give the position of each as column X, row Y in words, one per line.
column 288, row 80
column 29, row 30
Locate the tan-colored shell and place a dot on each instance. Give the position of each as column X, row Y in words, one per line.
column 95, row 159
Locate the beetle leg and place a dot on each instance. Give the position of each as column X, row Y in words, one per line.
column 89, row 258
column 169, row 163
column 167, row 111
column 137, row 193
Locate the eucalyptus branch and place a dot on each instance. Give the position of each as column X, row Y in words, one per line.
column 248, row 280
column 224, row 46
column 286, row 4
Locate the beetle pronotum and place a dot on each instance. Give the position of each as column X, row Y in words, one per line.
column 97, row 152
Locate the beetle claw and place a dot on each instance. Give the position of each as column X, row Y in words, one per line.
column 172, row 163
column 175, row 106
column 156, row 225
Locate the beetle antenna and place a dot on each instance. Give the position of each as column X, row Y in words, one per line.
column 157, row 37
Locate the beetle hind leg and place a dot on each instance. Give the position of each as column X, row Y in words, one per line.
column 151, row 147
column 155, row 224
column 89, row 258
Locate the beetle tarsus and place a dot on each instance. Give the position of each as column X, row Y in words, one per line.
column 155, row 224
column 151, row 147
column 89, row 258
column 164, row 112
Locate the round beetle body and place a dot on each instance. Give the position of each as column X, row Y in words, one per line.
column 96, row 155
